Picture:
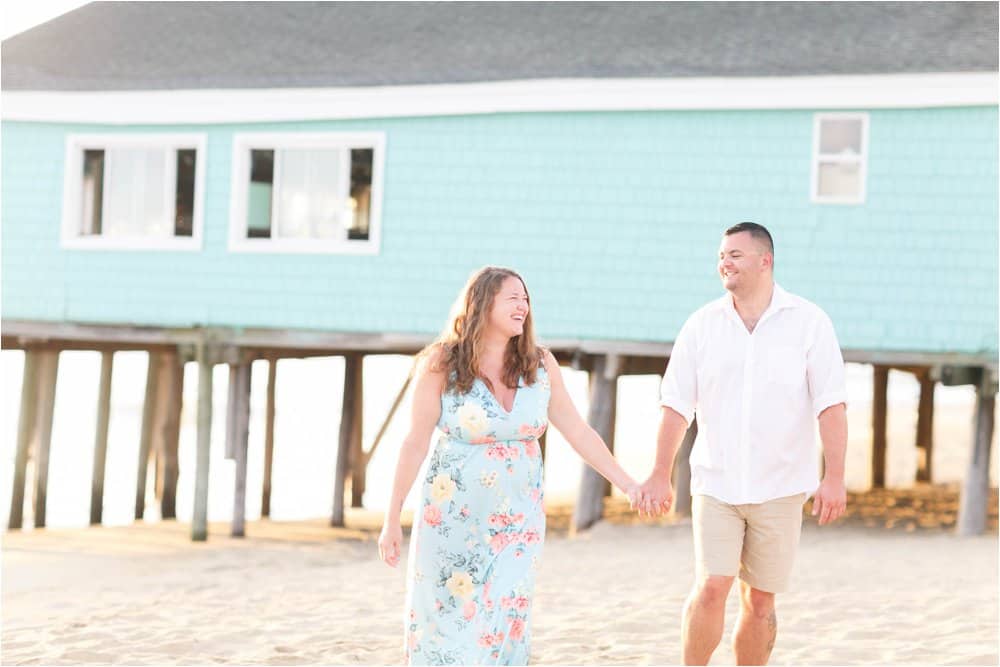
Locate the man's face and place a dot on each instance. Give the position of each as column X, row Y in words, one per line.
column 743, row 262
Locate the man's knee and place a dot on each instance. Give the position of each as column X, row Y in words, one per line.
column 713, row 590
column 757, row 602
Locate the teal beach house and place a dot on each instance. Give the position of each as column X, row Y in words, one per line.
column 223, row 182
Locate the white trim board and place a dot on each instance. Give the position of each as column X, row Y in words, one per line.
column 290, row 104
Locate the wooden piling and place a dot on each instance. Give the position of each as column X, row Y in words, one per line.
column 975, row 490
column 358, row 460
column 241, row 430
column 349, row 414
column 146, row 433
column 27, row 425
column 232, row 401
column 199, row 519
column 170, row 430
column 601, row 416
column 682, row 472
column 880, row 383
column 101, row 439
column 925, row 427
column 48, row 376
column 156, row 445
column 272, row 376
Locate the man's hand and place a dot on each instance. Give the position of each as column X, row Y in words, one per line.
column 830, row 501
column 657, row 495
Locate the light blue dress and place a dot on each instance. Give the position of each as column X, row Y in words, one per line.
column 477, row 535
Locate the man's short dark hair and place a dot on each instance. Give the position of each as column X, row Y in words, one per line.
column 758, row 232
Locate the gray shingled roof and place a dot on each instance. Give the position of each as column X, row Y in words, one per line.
column 164, row 45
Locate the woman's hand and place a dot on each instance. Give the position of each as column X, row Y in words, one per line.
column 633, row 490
column 389, row 541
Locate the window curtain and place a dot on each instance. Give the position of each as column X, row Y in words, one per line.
column 136, row 199
column 310, row 198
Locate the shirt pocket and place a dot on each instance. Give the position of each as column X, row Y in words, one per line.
column 786, row 365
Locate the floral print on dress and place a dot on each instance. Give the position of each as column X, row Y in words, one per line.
column 478, row 534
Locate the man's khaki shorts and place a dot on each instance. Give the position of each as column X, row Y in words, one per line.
column 757, row 541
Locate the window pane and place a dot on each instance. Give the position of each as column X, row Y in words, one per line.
column 839, row 179
column 135, row 202
column 259, row 197
column 310, row 202
column 184, row 208
column 840, row 136
column 93, row 192
column 361, row 191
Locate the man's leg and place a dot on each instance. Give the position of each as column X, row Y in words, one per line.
column 769, row 547
column 757, row 627
column 718, row 540
column 704, row 618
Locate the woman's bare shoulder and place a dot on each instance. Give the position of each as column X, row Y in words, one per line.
column 432, row 361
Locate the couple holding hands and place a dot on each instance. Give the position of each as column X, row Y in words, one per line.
column 759, row 365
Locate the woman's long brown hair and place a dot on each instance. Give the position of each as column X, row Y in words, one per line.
column 459, row 348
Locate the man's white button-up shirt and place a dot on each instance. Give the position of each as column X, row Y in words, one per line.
column 757, row 396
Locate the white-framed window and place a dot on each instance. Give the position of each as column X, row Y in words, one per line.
column 307, row 192
column 840, row 158
column 133, row 191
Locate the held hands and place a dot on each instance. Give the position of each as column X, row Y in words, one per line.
column 830, row 500
column 388, row 543
column 634, row 493
column 657, row 495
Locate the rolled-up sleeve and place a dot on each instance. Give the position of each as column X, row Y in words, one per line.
column 825, row 367
column 679, row 388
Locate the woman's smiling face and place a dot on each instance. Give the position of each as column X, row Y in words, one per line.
column 510, row 308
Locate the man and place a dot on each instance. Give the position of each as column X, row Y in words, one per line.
column 758, row 365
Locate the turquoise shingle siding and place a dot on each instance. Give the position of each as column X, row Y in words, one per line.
column 613, row 218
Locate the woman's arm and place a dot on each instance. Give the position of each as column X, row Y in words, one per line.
column 426, row 410
column 581, row 437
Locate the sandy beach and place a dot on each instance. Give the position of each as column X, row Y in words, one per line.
column 302, row 593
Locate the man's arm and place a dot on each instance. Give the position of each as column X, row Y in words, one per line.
column 831, row 497
column 658, row 493
column 678, row 401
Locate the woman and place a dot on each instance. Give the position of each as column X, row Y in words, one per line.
column 478, row 532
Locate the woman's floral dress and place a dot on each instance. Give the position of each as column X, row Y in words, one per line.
column 477, row 535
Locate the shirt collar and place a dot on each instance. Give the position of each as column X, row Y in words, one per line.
column 780, row 299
